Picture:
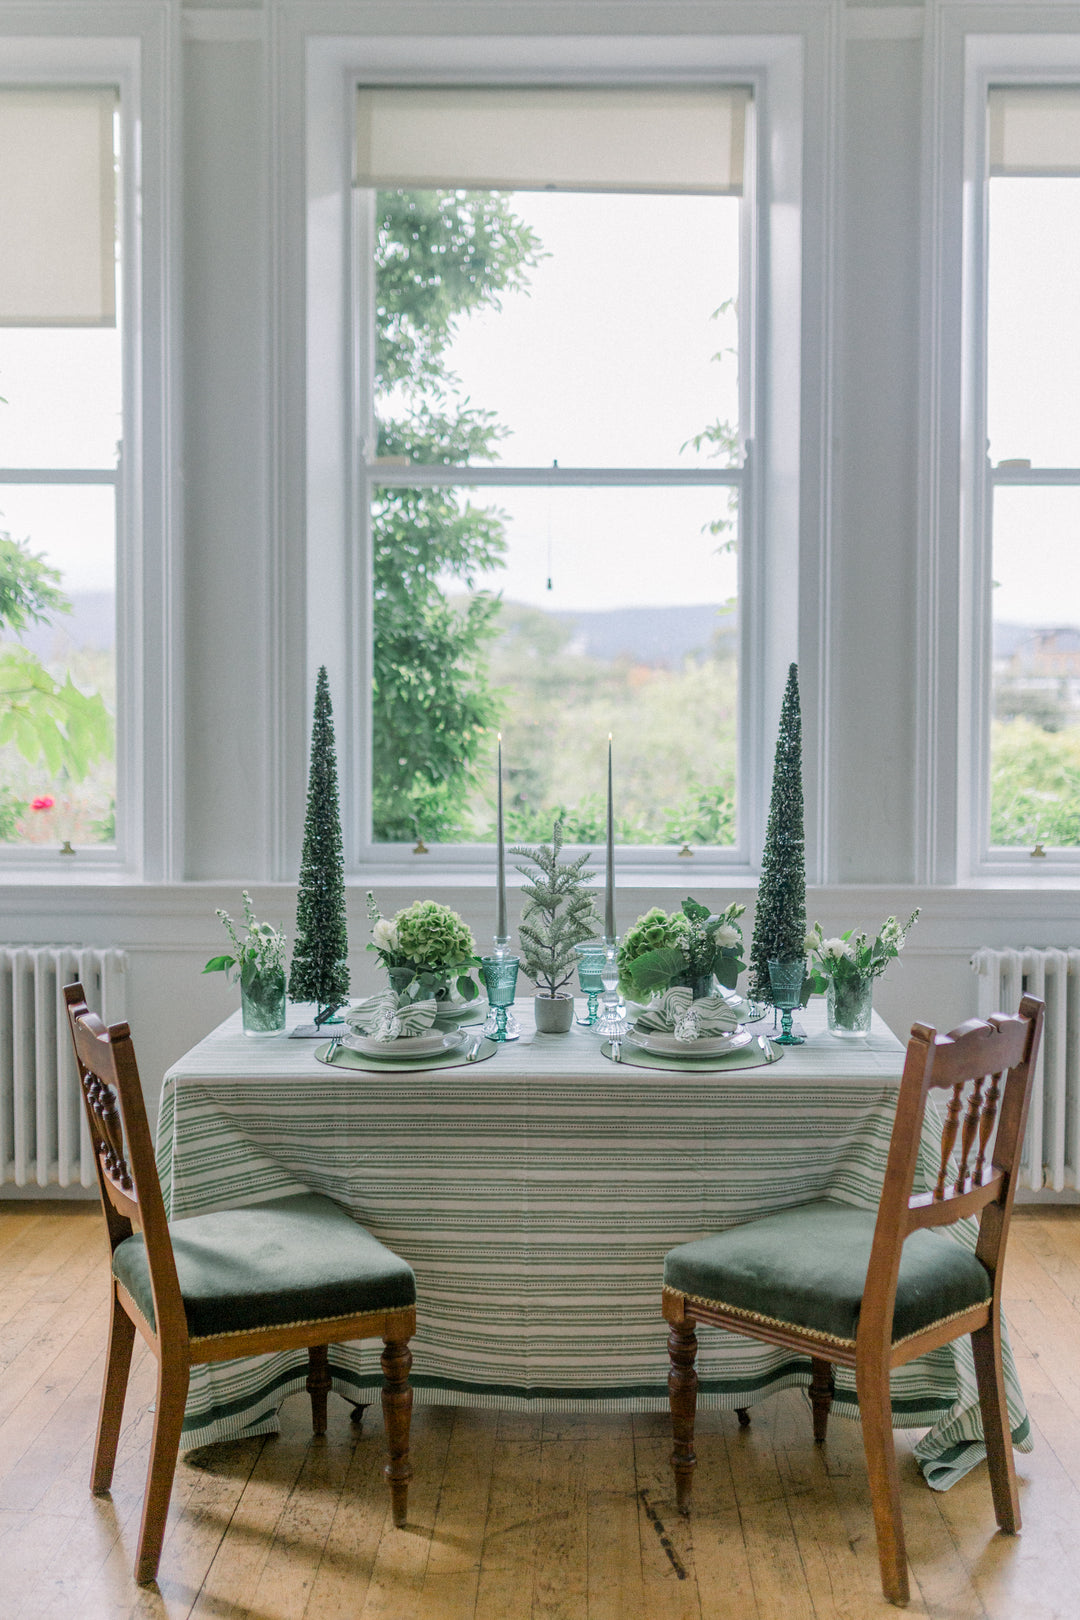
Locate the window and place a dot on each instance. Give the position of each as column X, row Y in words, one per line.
column 60, row 433
column 554, row 416
column 1033, row 475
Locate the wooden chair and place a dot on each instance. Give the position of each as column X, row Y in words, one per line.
column 294, row 1272
column 871, row 1292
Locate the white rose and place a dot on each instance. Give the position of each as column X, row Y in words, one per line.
column 838, row 949
column 726, row 935
column 812, row 940
column 385, row 935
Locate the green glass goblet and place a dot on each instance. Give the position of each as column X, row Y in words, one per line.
column 590, row 977
column 500, row 980
column 786, row 982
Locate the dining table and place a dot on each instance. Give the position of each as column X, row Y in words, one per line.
column 535, row 1193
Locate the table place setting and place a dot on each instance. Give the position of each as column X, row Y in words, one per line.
column 388, row 1031
column 678, row 1031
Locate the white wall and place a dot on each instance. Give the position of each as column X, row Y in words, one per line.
column 244, row 653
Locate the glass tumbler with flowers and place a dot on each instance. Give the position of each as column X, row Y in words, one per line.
column 427, row 950
column 258, row 961
column 845, row 968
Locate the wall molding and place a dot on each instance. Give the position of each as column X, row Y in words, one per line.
column 230, row 26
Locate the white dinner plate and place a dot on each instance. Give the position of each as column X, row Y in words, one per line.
column 406, row 1046
column 704, row 1046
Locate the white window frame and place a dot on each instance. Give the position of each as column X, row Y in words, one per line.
column 338, row 580
column 117, row 44
column 990, row 60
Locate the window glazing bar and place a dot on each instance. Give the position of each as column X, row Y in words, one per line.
column 1035, row 475
column 411, row 475
column 60, row 475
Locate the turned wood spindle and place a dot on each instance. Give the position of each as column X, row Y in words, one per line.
column 967, row 1137
column 986, row 1124
column 948, row 1135
column 397, row 1401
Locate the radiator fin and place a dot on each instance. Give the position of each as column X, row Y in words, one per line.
column 43, row 1136
column 1051, row 1156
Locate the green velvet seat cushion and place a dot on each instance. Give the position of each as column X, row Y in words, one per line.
column 293, row 1259
column 807, row 1266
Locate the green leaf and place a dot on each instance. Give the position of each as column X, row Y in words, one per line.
column 219, row 964
column 653, row 970
column 468, row 989
column 695, row 910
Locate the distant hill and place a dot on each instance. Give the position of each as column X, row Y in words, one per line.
column 659, row 636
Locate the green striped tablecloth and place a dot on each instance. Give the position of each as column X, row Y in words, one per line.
column 535, row 1196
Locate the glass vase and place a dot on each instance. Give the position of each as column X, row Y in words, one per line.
column 700, row 983
column 262, row 1001
column 849, row 1003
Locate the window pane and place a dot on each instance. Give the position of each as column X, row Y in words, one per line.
column 557, row 615
column 62, row 393
column 57, row 667
column 1035, row 728
column 1033, row 356
column 612, row 343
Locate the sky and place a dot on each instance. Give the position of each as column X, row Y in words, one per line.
column 609, row 360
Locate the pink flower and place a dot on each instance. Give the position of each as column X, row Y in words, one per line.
column 44, row 803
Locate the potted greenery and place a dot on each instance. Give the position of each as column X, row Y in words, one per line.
column 427, row 950
column 258, row 961
column 845, row 969
column 558, row 916
column 689, row 947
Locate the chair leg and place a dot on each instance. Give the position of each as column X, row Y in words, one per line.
column 172, row 1388
column 986, row 1346
column 397, row 1413
column 875, row 1410
column 318, row 1385
column 117, row 1366
column 682, row 1393
column 822, row 1387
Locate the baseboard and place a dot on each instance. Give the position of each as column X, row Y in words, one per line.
column 1046, row 1195
column 10, row 1194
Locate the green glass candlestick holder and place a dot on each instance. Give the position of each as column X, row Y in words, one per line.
column 590, row 977
column 500, row 980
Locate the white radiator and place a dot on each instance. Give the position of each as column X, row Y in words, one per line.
column 43, row 1136
column 1051, row 1156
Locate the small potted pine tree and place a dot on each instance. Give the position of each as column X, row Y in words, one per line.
column 558, row 916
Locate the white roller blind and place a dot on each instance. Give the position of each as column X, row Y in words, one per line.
column 644, row 140
column 57, row 207
column 1035, row 130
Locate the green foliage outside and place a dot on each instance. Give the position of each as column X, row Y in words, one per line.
column 53, row 731
column 1034, row 785
column 439, row 257
column 320, row 971
column 452, row 661
column 780, row 917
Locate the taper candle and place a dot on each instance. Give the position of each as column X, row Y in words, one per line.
column 609, row 912
column 501, row 931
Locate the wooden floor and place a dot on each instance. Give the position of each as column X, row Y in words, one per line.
column 510, row 1516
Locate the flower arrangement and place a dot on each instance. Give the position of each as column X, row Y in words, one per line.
column 423, row 947
column 687, row 947
column 851, row 958
column 259, row 954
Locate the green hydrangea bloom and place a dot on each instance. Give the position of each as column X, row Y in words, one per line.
column 652, row 932
column 432, row 935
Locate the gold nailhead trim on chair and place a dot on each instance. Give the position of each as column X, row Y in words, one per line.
column 809, row 1333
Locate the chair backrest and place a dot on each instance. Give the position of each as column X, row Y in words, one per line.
column 987, row 1068
column 123, row 1148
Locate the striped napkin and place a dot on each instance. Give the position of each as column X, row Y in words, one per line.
column 677, row 1013
column 385, row 1018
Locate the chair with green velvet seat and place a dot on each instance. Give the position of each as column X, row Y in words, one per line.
column 295, row 1272
column 874, row 1289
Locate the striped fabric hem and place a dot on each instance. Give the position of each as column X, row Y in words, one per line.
column 809, row 1333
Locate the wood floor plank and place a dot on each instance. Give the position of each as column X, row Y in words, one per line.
column 665, row 1536
column 361, row 1518
column 453, row 1567
column 612, row 1536
column 561, row 1574
column 508, row 1553
column 397, row 1576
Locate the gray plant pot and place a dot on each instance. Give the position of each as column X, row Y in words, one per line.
column 554, row 1014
